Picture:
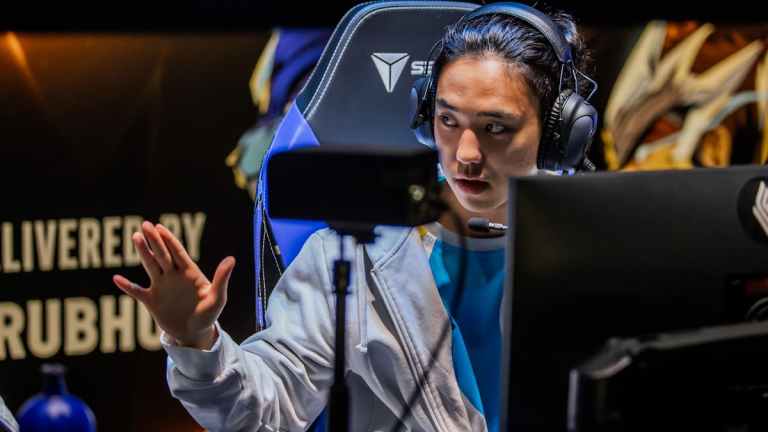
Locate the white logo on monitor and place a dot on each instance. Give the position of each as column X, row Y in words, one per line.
column 390, row 66
column 760, row 209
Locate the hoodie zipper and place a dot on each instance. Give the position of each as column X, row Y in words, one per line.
column 414, row 364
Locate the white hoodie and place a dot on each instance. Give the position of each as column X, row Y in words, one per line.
column 7, row 422
column 279, row 378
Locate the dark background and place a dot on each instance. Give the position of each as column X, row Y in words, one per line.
column 137, row 107
column 238, row 15
column 121, row 124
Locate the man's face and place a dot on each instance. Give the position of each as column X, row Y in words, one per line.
column 487, row 129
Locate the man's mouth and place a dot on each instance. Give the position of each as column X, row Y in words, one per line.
column 472, row 186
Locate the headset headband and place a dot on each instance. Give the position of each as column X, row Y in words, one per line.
column 536, row 19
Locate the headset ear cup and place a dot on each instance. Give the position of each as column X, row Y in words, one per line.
column 551, row 149
column 421, row 120
column 578, row 125
column 425, row 134
column 416, row 101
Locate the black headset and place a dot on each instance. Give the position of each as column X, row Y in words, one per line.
column 570, row 125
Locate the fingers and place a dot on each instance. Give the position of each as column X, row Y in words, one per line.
column 221, row 278
column 160, row 252
column 178, row 253
column 147, row 258
column 132, row 289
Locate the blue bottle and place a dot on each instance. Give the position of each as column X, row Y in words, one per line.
column 55, row 410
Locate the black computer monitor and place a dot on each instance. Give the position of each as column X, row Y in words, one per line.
column 620, row 255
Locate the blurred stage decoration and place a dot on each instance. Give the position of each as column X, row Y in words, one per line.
column 285, row 63
column 689, row 95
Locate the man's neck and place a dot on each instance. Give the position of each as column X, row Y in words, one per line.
column 448, row 220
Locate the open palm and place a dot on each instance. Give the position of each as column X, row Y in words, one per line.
column 183, row 302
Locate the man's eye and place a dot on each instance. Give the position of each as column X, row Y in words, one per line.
column 447, row 120
column 495, row 128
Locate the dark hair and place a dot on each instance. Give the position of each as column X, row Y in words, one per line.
column 522, row 46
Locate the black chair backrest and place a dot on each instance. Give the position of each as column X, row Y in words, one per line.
column 358, row 94
column 359, row 90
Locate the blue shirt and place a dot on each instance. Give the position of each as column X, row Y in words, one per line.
column 476, row 333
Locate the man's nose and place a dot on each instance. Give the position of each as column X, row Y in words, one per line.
column 468, row 151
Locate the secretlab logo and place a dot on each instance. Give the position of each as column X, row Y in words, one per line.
column 753, row 208
column 421, row 67
column 390, row 66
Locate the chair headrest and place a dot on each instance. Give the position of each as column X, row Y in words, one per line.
column 359, row 90
column 358, row 93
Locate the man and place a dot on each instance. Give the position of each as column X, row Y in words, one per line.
column 496, row 82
